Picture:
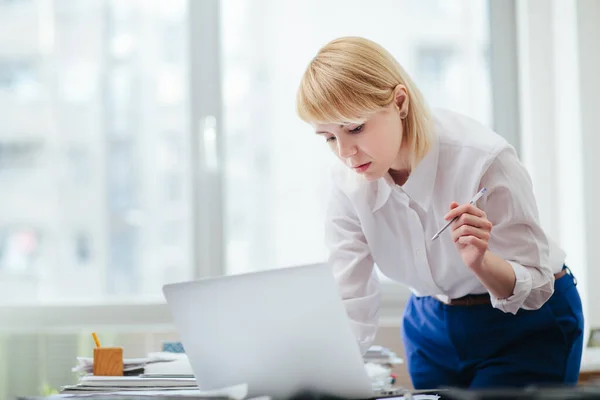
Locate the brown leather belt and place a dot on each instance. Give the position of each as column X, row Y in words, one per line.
column 481, row 299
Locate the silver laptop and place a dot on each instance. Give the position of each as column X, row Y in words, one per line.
column 280, row 331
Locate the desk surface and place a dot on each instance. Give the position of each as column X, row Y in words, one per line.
column 100, row 396
column 572, row 393
column 166, row 396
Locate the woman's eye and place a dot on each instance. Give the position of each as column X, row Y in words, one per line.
column 357, row 129
column 330, row 139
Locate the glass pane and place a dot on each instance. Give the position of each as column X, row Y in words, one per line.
column 276, row 167
column 94, row 170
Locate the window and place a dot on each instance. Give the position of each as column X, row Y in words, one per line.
column 17, row 154
column 83, row 251
column 14, row 2
column 276, row 181
column 19, row 250
column 169, row 161
column 94, row 185
column 433, row 70
column 123, row 259
column 114, row 143
column 18, row 77
column 79, row 159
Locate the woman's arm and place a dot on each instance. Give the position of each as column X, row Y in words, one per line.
column 471, row 233
column 352, row 265
column 505, row 246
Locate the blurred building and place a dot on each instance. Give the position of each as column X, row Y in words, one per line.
column 93, row 138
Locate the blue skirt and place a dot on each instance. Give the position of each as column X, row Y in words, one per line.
column 482, row 347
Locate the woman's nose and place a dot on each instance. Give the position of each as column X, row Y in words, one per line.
column 346, row 148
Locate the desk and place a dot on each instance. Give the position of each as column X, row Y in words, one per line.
column 572, row 393
column 300, row 396
column 590, row 365
column 100, row 396
column 588, row 376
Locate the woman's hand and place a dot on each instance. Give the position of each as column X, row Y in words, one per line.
column 470, row 232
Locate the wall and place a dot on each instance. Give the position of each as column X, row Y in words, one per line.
column 558, row 63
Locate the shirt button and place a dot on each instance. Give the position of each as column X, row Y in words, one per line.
column 418, row 252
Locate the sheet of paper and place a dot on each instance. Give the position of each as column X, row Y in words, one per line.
column 237, row 392
column 179, row 365
column 86, row 364
column 135, row 381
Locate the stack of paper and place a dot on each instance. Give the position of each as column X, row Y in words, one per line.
column 150, row 387
column 133, row 366
column 179, row 365
column 158, row 373
column 382, row 355
column 91, row 383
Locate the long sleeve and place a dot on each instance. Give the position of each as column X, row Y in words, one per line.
column 516, row 233
column 352, row 265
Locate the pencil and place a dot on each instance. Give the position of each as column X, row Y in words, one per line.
column 96, row 339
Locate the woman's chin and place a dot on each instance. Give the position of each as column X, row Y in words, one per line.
column 371, row 175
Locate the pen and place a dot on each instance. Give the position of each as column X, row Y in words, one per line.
column 473, row 201
column 96, row 339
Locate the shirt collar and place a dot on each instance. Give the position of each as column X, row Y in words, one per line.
column 420, row 183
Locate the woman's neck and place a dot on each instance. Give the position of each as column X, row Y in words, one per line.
column 400, row 170
column 399, row 176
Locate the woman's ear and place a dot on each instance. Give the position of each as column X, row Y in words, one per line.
column 401, row 100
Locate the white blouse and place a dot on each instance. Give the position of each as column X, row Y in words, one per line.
column 390, row 226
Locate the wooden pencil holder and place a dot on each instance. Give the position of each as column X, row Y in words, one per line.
column 108, row 361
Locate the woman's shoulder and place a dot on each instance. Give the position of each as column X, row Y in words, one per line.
column 458, row 132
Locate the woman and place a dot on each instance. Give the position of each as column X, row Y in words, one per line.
column 492, row 303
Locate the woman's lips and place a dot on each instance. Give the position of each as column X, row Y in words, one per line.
column 362, row 167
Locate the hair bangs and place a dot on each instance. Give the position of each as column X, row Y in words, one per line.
column 325, row 98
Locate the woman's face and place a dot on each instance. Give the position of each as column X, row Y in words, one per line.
column 371, row 148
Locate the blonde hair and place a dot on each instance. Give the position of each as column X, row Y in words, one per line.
column 351, row 78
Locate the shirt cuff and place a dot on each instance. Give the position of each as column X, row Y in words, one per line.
column 365, row 335
column 523, row 286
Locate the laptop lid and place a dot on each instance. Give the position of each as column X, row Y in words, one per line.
column 280, row 331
